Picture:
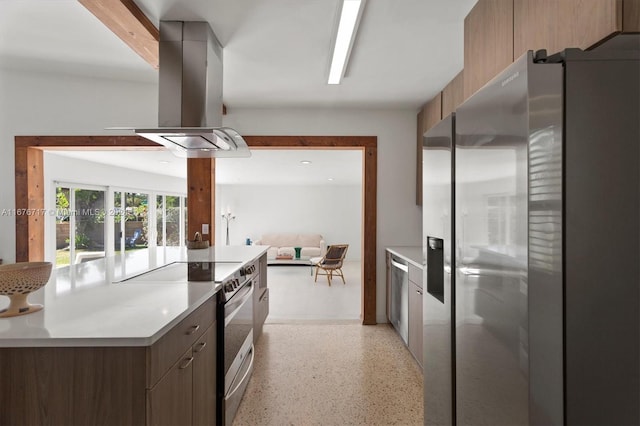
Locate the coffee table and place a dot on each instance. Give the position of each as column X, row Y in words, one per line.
column 302, row 261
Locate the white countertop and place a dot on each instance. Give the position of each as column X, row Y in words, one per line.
column 411, row 254
column 85, row 306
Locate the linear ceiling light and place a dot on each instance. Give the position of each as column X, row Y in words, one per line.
column 349, row 19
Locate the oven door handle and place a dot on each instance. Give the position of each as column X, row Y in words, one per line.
column 236, row 302
column 248, row 371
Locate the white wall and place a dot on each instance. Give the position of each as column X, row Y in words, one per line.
column 58, row 104
column 334, row 211
column 399, row 219
column 52, row 104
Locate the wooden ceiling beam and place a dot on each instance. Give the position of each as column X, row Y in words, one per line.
column 128, row 22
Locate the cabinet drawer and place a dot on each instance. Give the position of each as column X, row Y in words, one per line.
column 415, row 275
column 164, row 353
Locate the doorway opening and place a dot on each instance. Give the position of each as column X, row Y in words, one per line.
column 29, row 189
column 306, row 197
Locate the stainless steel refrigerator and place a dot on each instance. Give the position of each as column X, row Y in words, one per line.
column 534, row 260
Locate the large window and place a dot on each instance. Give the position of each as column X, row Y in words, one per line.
column 94, row 222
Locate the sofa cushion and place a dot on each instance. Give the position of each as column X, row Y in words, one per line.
column 286, row 251
column 311, row 251
column 312, row 244
column 309, row 240
column 291, row 240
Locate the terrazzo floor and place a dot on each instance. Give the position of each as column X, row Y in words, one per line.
column 332, row 374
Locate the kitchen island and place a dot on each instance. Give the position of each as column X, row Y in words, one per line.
column 105, row 350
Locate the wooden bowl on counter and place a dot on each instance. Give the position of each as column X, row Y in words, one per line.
column 17, row 280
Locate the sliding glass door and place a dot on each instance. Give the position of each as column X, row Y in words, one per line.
column 80, row 224
column 94, row 222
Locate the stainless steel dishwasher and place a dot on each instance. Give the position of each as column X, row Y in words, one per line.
column 399, row 306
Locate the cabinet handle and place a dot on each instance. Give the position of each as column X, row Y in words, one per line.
column 186, row 363
column 200, row 347
column 193, row 329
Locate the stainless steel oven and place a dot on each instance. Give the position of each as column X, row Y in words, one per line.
column 237, row 349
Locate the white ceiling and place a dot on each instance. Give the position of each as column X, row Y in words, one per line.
column 264, row 167
column 276, row 54
column 278, row 51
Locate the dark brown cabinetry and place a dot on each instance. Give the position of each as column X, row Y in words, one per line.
column 172, row 381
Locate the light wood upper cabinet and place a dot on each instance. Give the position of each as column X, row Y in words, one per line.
column 432, row 112
column 555, row 25
column 631, row 16
column 453, row 94
column 488, row 42
column 429, row 116
column 419, row 133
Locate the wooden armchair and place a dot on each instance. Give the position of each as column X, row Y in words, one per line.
column 331, row 263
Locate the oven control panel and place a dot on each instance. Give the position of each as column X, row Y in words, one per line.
column 232, row 284
column 248, row 270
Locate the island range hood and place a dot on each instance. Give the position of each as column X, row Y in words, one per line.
column 190, row 95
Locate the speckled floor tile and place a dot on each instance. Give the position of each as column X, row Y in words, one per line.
column 332, row 374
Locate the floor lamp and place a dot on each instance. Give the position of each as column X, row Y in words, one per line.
column 228, row 217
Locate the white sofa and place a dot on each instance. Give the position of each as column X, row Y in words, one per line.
column 312, row 244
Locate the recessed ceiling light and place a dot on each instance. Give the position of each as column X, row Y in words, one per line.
column 330, row 179
column 305, row 162
column 164, row 162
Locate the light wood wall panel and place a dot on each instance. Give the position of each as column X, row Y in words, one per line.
column 488, row 42
column 555, row 25
column 419, row 133
column 631, row 16
column 29, row 198
column 201, row 186
column 453, row 94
